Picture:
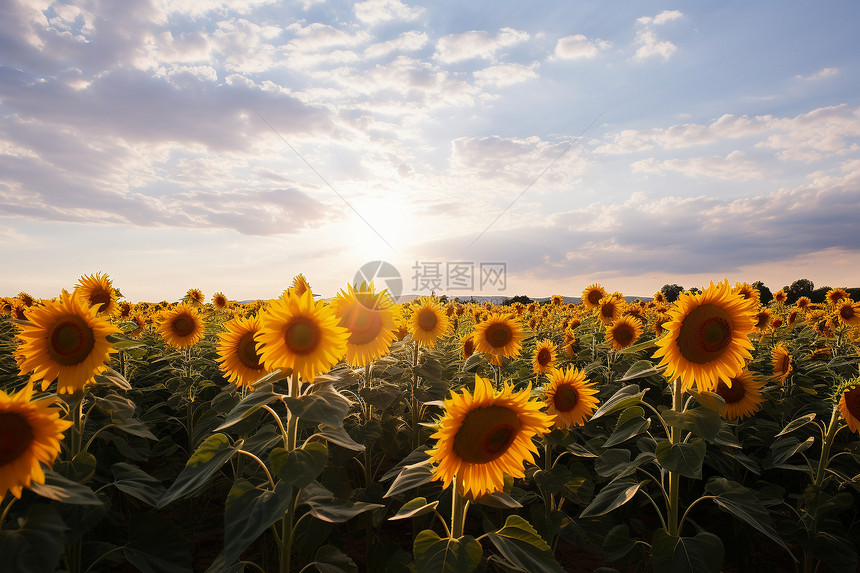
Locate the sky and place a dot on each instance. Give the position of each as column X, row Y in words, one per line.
column 486, row 148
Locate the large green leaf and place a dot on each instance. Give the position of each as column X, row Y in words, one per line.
column 60, row 489
column 157, row 545
column 137, row 483
column 414, row 508
column 249, row 511
column 37, row 545
column 336, row 510
column 203, row 464
column 330, row 559
column 784, row 448
column 338, row 435
column 683, row 458
column 324, row 406
column 702, row 553
column 618, row 543
column 411, row 477
column 261, row 396
column 610, row 497
column 445, row 555
column 627, row 429
column 302, row 465
column 520, row 544
column 795, row 424
column 624, row 398
column 640, row 369
column 702, row 422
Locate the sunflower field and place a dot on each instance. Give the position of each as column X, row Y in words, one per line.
column 710, row 433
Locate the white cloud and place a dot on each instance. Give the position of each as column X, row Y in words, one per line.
column 661, row 18
column 476, row 44
column 579, row 47
column 503, row 75
column 410, row 41
column 819, row 75
column 374, row 12
column 732, row 167
column 650, row 46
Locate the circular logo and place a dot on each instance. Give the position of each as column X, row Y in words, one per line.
column 384, row 276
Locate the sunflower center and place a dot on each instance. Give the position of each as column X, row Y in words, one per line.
column 182, row 325
column 247, row 352
column 852, row 401
column 544, row 356
column 72, row 341
column 364, row 324
column 486, row 434
column 607, row 310
column 498, row 335
column 847, row 312
column 427, row 319
column 594, row 296
column 565, row 398
column 705, row 332
column 623, row 335
column 783, row 364
column 15, row 436
column 101, row 299
column 302, row 336
column 732, row 394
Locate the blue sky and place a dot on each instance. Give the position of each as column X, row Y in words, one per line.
column 230, row 145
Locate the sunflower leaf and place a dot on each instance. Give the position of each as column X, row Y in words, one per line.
column 64, row 490
column 261, row 396
column 37, row 545
column 610, row 497
column 249, row 511
column 203, row 464
column 628, row 429
column 437, row 555
column 783, row 448
column 796, row 424
column 303, row 465
column 414, row 508
column 336, row 510
column 520, row 544
column 684, row 458
column 411, row 477
column 330, row 559
column 137, row 483
column 640, row 369
column 628, row 396
column 324, row 406
column 702, row 553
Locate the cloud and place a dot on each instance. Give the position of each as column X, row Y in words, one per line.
column 410, row 41
column 375, row 12
column 503, row 75
column 819, row 75
column 578, row 47
column 649, row 45
column 476, row 44
column 661, row 18
column 732, row 167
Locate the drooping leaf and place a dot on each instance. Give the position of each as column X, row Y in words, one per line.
column 684, row 458
column 796, row 424
column 249, row 511
column 702, row 422
column 303, row 465
column 60, row 489
column 330, row 559
column 260, row 397
column 520, row 544
column 613, row 495
column 336, row 510
column 414, row 508
column 203, row 464
column 132, row 480
column 445, row 555
column 624, row 398
column 640, row 369
column 411, row 477
column 702, row 553
column 627, row 429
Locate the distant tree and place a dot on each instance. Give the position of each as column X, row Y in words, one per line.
column 443, row 299
column 799, row 288
column 519, row 298
column 818, row 295
column 854, row 293
column 694, row 290
column 764, row 294
column 671, row 292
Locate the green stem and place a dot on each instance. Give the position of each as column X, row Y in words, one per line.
column 832, row 428
column 279, row 422
column 458, row 510
column 416, row 430
column 548, row 498
column 675, row 477
column 286, row 540
column 6, row 510
column 262, row 465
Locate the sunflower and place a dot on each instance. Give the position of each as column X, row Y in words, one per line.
column 624, row 332
column 299, row 287
column 125, row 309
column 500, row 335
column 193, row 297
column 30, row 435
column 836, row 295
column 237, row 352
column 96, row 290
column 468, row 346
column 543, row 360
column 823, row 327
column 592, row 294
column 747, row 291
column 792, row 317
column 141, row 324
column 781, row 362
column 66, row 341
column 762, row 320
column 370, row 318
column 181, row 326
column 301, row 334
column 428, row 322
column 25, row 299
column 708, row 337
column 556, row 300
column 660, row 321
column 803, row 303
column 219, row 301
column 570, row 397
column 780, row 296
column 849, row 405
column 659, row 297
column 848, row 313
column 743, row 397
column 484, row 436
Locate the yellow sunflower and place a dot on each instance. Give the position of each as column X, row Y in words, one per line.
column 659, row 297
column 743, row 397
column 836, row 295
column 468, row 346
column 299, row 287
column 781, row 362
column 237, row 352
column 219, row 301
column 193, row 297
column 708, row 337
column 66, row 341
column 592, row 294
column 762, row 320
column 484, row 436
column 370, row 318
column 848, row 312
column 500, row 335
column 543, row 360
column 803, row 303
column 25, row 299
column 138, row 330
column 609, row 308
column 301, row 334
column 570, row 397
column 181, row 326
column 747, row 291
column 96, row 290
column 624, row 332
column 428, row 322
column 30, row 435
column 780, row 296
column 849, row 406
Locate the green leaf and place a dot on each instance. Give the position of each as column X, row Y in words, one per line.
column 437, row 555
column 137, row 483
column 135, row 427
column 683, row 458
column 249, row 511
column 710, row 400
column 613, row 495
column 337, row 435
column 612, row 461
column 324, row 406
column 796, row 424
column 157, row 545
column 784, row 448
column 624, row 398
column 627, row 429
column 414, row 508
column 303, row 465
column 618, row 543
column 203, row 464
column 80, row 469
column 60, row 489
column 702, row 553
column 640, row 369
column 743, row 504
column 520, row 544
column 411, row 477
column 111, row 376
column 330, row 559
column 381, row 396
column 499, row 500
column 702, row 422
column 261, row 396
column 336, row 510
column 37, row 545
